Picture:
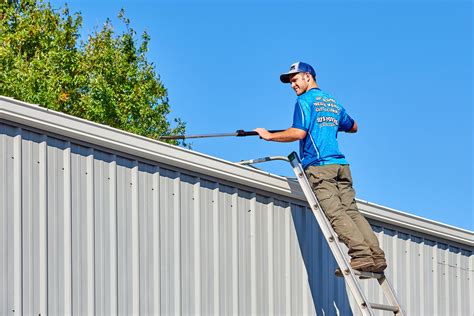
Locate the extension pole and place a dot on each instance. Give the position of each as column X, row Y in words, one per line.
column 238, row 133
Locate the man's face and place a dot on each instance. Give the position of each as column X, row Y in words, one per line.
column 299, row 83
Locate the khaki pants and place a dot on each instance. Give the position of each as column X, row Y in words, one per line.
column 332, row 185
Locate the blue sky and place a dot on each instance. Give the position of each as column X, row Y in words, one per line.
column 402, row 69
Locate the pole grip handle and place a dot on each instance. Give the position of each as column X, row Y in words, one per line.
column 241, row 132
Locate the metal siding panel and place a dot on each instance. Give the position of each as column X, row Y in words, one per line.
column 244, row 256
column 176, row 223
column 105, row 261
column 112, row 267
column 403, row 264
column 227, row 248
column 206, row 206
column 277, row 255
column 146, row 206
column 125, row 261
column 470, row 280
column 414, row 275
column 235, row 253
column 99, row 251
column 262, row 257
column 89, row 229
column 437, row 280
column 67, row 223
column 28, row 199
column 464, row 275
column 302, row 253
column 3, row 222
column 42, row 219
column 453, row 279
column 188, row 250
column 17, row 214
column 253, row 264
column 270, row 245
column 296, row 275
column 443, row 302
column 170, row 242
column 100, row 230
column 59, row 277
column 7, row 304
column 33, row 251
column 247, row 256
column 429, row 265
column 287, row 246
column 459, row 302
column 215, row 249
column 223, row 210
column 155, row 220
column 194, row 248
column 310, row 234
column 53, row 237
column 135, row 240
column 281, row 258
column 82, row 229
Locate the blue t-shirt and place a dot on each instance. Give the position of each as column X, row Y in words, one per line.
column 321, row 117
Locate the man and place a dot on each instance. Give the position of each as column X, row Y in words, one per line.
column 316, row 121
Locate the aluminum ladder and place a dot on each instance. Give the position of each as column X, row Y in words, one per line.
column 350, row 275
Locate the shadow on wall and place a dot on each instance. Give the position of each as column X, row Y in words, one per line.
column 328, row 291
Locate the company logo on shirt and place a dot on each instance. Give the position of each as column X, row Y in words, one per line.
column 327, row 105
column 324, row 109
column 327, row 119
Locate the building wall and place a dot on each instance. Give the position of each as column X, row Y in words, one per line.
column 88, row 229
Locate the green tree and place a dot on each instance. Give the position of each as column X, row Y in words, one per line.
column 106, row 79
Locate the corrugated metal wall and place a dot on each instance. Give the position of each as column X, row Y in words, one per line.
column 88, row 231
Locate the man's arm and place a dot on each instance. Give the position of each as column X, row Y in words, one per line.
column 346, row 123
column 289, row 135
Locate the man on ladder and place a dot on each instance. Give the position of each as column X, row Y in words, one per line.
column 316, row 121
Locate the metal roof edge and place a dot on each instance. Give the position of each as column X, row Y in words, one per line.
column 62, row 124
column 59, row 123
column 416, row 223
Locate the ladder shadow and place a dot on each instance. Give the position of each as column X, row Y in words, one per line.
column 329, row 293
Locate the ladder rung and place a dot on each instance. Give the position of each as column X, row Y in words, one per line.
column 362, row 275
column 384, row 307
column 369, row 275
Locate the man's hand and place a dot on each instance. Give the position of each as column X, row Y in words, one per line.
column 263, row 133
column 354, row 128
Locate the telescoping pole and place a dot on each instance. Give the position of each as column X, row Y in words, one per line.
column 238, row 133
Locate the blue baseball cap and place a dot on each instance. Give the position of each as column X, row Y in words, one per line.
column 296, row 68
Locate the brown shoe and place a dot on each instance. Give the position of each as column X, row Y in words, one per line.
column 362, row 264
column 380, row 264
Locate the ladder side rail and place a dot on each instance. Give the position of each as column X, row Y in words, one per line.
column 389, row 292
column 263, row 159
column 331, row 238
